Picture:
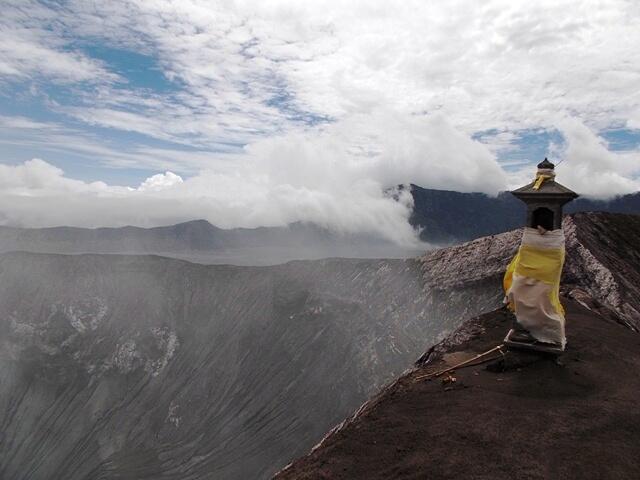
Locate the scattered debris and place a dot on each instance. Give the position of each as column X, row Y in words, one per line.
column 467, row 363
column 449, row 379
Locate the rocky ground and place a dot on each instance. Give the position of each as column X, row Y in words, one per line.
column 518, row 416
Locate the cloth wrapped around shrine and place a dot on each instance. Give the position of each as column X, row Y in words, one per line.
column 532, row 285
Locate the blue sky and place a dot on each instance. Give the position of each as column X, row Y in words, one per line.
column 312, row 101
column 137, row 70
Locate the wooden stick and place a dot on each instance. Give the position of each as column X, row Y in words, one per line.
column 480, row 355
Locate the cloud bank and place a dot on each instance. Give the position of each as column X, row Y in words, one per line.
column 324, row 177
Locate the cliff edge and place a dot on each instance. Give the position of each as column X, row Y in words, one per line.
column 515, row 415
column 518, row 416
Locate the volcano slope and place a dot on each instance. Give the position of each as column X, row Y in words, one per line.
column 147, row 367
column 144, row 367
column 518, row 415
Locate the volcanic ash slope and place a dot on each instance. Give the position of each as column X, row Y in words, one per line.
column 146, row 367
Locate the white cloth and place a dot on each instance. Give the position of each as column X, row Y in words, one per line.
column 532, row 285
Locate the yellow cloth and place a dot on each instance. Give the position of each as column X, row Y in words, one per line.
column 532, row 284
column 541, row 178
column 544, row 264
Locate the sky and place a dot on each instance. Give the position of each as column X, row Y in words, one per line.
column 262, row 113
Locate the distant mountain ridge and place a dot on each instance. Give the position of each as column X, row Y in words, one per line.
column 443, row 217
column 194, row 235
column 201, row 242
column 450, row 217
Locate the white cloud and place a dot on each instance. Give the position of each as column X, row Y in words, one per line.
column 37, row 178
column 29, row 50
column 587, row 165
column 22, row 57
column 405, row 85
column 327, row 178
column 494, row 64
column 590, row 168
column 335, row 177
column 160, row 181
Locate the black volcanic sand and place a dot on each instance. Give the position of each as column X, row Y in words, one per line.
column 572, row 418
